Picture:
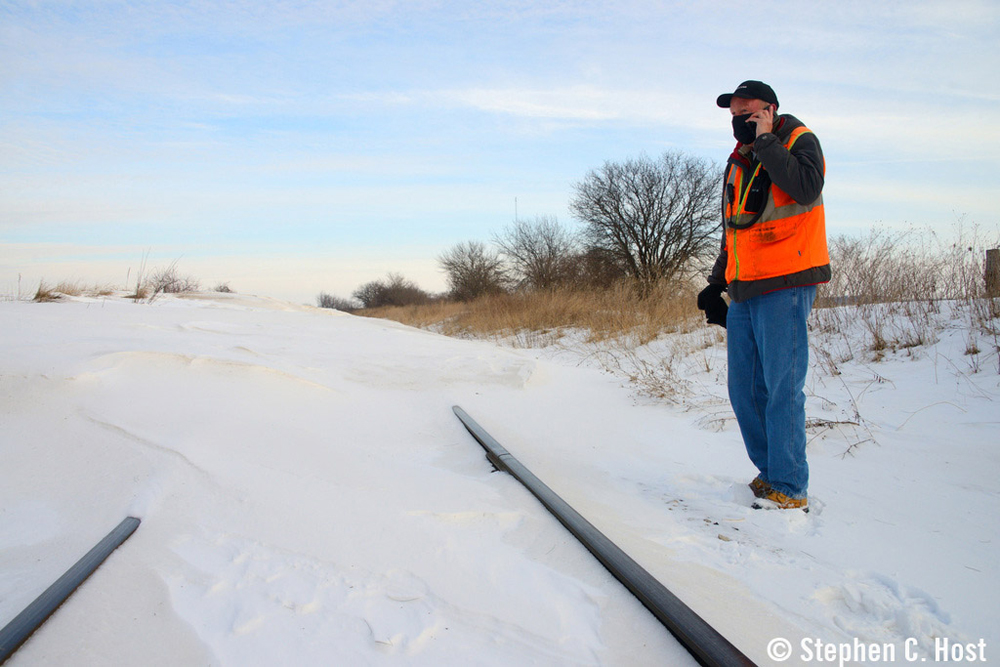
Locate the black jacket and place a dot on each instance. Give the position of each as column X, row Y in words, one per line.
column 799, row 173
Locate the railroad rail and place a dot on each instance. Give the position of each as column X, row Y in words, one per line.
column 24, row 624
column 703, row 641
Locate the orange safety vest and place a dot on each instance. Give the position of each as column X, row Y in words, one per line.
column 784, row 238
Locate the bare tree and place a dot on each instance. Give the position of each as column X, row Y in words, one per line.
column 540, row 252
column 473, row 270
column 654, row 217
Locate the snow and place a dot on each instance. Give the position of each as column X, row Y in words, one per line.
column 308, row 497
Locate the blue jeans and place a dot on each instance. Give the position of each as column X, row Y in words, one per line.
column 768, row 348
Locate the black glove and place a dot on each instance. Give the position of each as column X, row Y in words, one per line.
column 710, row 300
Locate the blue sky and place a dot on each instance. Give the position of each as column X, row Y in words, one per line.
column 295, row 147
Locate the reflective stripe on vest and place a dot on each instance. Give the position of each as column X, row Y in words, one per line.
column 785, row 238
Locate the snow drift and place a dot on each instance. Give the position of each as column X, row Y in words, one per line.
column 308, row 497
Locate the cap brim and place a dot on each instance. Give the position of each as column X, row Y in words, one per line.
column 725, row 100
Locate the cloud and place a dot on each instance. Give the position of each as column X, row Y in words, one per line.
column 587, row 103
column 581, row 103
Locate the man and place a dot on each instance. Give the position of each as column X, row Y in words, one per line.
column 773, row 255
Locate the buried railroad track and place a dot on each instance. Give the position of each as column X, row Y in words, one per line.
column 24, row 624
column 703, row 641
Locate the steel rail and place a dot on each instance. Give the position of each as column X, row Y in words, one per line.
column 703, row 641
column 24, row 624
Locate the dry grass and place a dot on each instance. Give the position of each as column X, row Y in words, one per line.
column 614, row 326
column 46, row 293
column 913, row 265
column 896, row 285
column 532, row 318
column 904, row 289
column 423, row 316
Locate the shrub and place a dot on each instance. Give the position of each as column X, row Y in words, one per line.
column 395, row 290
column 169, row 281
column 325, row 300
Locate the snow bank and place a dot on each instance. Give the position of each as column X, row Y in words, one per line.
column 308, row 497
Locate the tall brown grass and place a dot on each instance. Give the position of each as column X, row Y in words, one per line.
column 893, row 283
column 46, row 292
column 528, row 318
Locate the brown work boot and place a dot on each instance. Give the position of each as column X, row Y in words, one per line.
column 776, row 500
column 759, row 487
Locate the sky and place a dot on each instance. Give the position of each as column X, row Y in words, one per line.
column 290, row 148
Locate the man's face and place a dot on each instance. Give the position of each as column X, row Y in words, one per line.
column 740, row 105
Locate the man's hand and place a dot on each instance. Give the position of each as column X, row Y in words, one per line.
column 710, row 300
column 764, row 120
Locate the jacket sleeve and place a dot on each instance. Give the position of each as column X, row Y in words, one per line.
column 718, row 274
column 798, row 172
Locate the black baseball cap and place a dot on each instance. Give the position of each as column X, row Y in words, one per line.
column 750, row 90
